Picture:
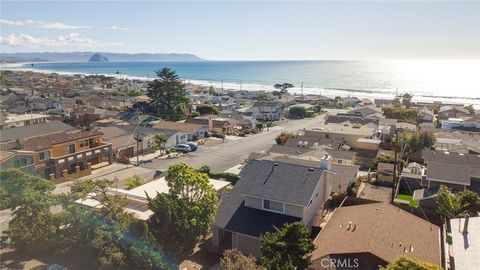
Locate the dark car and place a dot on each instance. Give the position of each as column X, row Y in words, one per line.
column 193, row 145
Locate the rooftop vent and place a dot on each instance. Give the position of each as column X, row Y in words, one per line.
column 311, row 169
column 275, row 164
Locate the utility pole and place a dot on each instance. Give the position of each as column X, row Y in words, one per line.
column 301, row 91
column 222, row 86
column 241, row 85
column 137, row 138
column 31, row 97
column 395, row 167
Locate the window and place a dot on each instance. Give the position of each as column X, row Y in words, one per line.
column 273, row 206
column 340, row 161
column 44, row 155
column 71, row 149
column 18, row 163
column 84, row 143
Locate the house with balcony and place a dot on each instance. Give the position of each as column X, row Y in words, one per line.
column 267, row 110
column 64, row 155
column 269, row 194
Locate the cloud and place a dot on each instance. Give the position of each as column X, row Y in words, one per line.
column 116, row 28
column 72, row 39
column 42, row 24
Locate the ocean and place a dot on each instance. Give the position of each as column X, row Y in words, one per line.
column 444, row 80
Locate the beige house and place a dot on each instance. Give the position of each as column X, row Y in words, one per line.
column 269, row 194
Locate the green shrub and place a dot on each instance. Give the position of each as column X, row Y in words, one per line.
column 228, row 176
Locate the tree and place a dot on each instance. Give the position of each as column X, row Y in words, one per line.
column 204, row 169
column 168, row 95
column 454, row 205
column 159, row 140
column 287, row 248
column 207, row 109
column 449, row 205
column 235, row 260
column 470, row 109
column 406, row 263
column 183, row 216
column 264, row 97
column 407, row 100
column 283, row 87
column 134, row 181
column 409, row 115
column 418, row 140
column 283, row 137
column 106, row 231
column 297, row 112
column 17, row 187
column 111, row 231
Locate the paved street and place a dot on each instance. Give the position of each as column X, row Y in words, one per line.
column 226, row 155
column 219, row 157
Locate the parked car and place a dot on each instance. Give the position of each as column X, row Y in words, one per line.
column 184, row 148
column 193, row 145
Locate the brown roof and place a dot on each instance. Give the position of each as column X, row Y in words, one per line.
column 5, row 154
column 380, row 229
column 46, row 141
column 179, row 126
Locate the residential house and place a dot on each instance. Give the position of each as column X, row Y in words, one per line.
column 464, row 243
column 471, row 124
column 137, row 202
column 22, row 160
column 64, row 155
column 366, row 236
column 447, row 112
column 218, row 124
column 342, row 156
column 43, row 104
column 426, row 114
column 223, row 103
column 365, row 111
column 384, row 103
column 267, row 110
column 268, row 195
column 13, row 120
column 456, row 170
column 186, row 131
column 39, row 129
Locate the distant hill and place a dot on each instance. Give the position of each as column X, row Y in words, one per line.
column 98, row 58
column 112, row 57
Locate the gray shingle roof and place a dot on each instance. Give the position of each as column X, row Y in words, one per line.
column 40, row 129
column 291, row 183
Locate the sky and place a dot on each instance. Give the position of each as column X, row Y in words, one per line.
column 228, row 30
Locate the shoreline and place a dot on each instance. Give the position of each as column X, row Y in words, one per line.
column 228, row 86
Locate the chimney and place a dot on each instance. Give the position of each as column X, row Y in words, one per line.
column 210, row 123
column 465, row 224
column 19, row 144
column 325, row 163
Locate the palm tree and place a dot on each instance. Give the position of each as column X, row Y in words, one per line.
column 159, row 141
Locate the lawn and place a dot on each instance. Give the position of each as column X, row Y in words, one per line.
column 409, row 198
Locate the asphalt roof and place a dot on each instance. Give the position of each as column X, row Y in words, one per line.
column 380, row 229
column 47, row 141
column 33, row 130
column 233, row 215
column 342, row 154
column 452, row 172
column 276, row 181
